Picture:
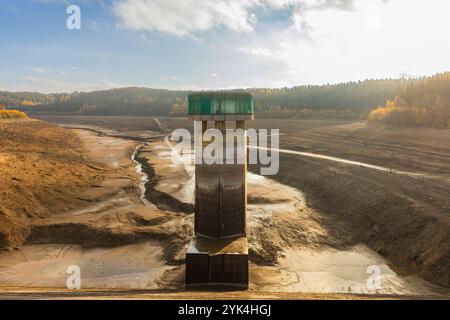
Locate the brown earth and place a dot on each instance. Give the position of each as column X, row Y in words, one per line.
column 90, row 210
column 345, row 204
column 404, row 218
column 34, row 158
column 120, row 124
column 277, row 216
column 17, row 293
column 292, row 246
column 62, row 186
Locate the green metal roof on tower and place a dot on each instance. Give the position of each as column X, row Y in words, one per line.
column 210, row 103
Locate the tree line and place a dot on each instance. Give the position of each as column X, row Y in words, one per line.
column 424, row 103
column 421, row 101
column 346, row 100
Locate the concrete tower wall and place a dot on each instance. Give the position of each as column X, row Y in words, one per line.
column 220, row 198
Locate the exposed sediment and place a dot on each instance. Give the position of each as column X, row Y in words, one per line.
column 162, row 200
column 118, row 239
column 42, row 168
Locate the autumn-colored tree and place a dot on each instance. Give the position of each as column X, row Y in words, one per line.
column 28, row 103
column 424, row 103
column 11, row 114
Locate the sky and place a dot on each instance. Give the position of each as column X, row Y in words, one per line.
column 217, row 44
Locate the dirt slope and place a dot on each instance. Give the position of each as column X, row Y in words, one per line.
column 35, row 157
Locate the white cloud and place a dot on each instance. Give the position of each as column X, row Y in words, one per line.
column 259, row 51
column 341, row 46
column 186, row 17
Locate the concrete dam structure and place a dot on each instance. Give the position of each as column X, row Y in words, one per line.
column 218, row 252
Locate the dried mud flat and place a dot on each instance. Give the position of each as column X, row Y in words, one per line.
column 103, row 226
column 388, row 187
column 121, row 243
column 290, row 250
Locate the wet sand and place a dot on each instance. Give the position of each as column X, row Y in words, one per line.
column 136, row 266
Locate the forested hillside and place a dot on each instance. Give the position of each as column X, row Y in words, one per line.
column 421, row 103
column 13, row 99
column 346, row 100
column 352, row 100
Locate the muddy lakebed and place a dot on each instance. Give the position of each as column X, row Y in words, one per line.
column 135, row 232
